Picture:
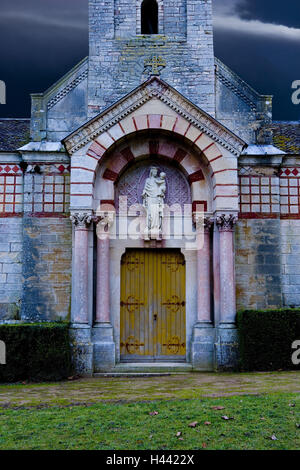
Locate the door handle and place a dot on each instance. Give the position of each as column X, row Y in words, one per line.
column 155, row 316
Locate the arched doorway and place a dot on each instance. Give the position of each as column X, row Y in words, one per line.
column 210, row 171
column 153, row 282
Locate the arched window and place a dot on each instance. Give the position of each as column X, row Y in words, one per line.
column 149, row 20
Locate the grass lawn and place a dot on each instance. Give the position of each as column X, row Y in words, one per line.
column 262, row 420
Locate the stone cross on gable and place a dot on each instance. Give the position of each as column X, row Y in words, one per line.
column 156, row 63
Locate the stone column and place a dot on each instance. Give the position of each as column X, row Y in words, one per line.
column 103, row 272
column 81, row 222
column 216, row 274
column 226, row 224
column 203, row 332
column 104, row 346
column 80, row 330
column 204, row 274
column 226, row 341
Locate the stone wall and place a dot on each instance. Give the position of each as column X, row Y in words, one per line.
column 267, row 263
column 46, row 268
column 116, row 66
column 290, row 252
column 35, row 241
column 118, row 54
column 268, row 237
column 258, row 264
column 11, row 244
column 62, row 108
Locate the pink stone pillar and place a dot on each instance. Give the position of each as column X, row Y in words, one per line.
column 81, row 222
column 226, row 225
column 103, row 272
column 204, row 273
column 216, row 275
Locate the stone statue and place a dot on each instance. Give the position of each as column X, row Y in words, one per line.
column 153, row 200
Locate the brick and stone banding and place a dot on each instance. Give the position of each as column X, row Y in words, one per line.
column 211, row 154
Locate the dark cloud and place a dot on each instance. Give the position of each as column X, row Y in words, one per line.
column 270, row 11
column 268, row 65
column 43, row 40
column 65, row 13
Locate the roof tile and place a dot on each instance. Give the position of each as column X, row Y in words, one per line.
column 286, row 136
column 13, row 134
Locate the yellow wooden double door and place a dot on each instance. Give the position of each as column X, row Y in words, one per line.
column 153, row 314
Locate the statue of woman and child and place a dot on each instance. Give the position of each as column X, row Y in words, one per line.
column 153, row 200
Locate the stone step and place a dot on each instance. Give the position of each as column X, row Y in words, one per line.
column 132, row 374
column 142, row 368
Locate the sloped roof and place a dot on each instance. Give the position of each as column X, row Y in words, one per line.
column 286, row 135
column 14, row 133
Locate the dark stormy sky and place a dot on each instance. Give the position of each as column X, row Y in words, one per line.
column 40, row 40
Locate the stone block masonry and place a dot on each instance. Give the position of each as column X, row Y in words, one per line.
column 290, row 252
column 118, row 52
column 11, row 242
column 35, row 242
column 268, row 240
column 46, row 268
column 267, row 263
column 258, row 264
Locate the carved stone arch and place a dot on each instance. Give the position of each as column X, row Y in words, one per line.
column 155, row 106
column 221, row 164
column 163, row 147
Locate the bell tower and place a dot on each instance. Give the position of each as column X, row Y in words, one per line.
column 127, row 36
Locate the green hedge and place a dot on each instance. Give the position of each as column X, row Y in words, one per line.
column 36, row 352
column 266, row 338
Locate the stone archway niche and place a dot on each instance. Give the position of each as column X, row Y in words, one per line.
column 154, row 121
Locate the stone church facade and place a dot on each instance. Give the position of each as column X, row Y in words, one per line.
column 151, row 95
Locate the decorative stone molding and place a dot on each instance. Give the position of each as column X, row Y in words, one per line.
column 65, row 91
column 154, row 88
column 236, row 91
column 104, row 221
column 226, row 222
column 81, row 219
column 237, row 85
column 208, row 223
column 10, row 170
column 201, row 221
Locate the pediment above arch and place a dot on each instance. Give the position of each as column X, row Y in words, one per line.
column 155, row 97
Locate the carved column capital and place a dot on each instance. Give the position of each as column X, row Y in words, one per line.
column 104, row 221
column 208, row 223
column 81, row 219
column 226, row 222
column 202, row 222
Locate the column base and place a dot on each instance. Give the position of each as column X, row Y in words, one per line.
column 82, row 349
column 202, row 350
column 226, row 347
column 104, row 347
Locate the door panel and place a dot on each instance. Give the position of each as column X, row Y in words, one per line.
column 153, row 305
